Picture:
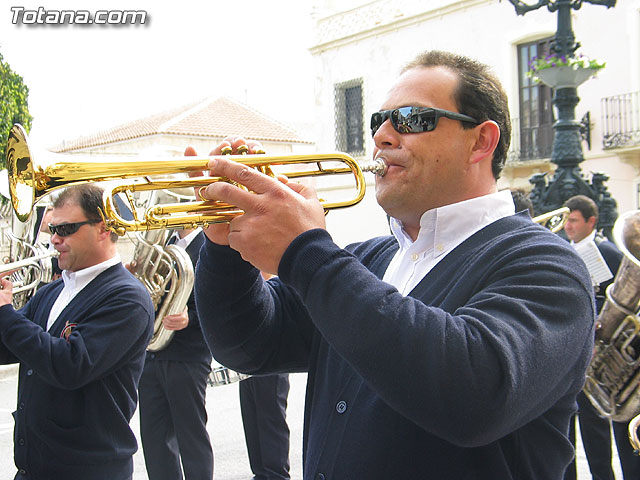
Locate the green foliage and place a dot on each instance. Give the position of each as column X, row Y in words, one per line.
column 13, row 105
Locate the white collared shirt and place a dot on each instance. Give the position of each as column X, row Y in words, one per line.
column 589, row 238
column 186, row 241
column 74, row 282
column 441, row 230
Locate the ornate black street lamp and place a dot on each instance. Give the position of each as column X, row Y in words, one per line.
column 568, row 179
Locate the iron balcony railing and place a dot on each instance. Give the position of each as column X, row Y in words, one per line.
column 529, row 143
column 621, row 120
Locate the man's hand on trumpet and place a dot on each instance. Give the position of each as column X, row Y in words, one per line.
column 218, row 233
column 275, row 211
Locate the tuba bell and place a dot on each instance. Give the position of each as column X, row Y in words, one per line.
column 613, row 377
column 167, row 273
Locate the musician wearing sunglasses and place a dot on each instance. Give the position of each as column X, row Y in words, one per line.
column 80, row 342
column 452, row 349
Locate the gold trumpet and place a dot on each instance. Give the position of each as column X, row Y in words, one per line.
column 553, row 220
column 33, row 176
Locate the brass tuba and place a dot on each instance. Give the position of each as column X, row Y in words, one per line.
column 613, row 376
column 167, row 273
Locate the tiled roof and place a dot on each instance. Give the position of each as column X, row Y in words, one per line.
column 213, row 117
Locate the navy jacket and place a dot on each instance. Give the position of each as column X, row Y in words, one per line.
column 77, row 387
column 474, row 375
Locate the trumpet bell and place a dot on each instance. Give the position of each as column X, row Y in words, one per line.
column 21, row 173
column 553, row 220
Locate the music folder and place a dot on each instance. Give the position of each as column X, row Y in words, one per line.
column 593, row 259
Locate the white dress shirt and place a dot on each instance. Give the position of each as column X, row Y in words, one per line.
column 589, row 238
column 441, row 230
column 74, row 282
column 186, row 241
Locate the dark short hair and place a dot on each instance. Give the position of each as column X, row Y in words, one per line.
column 584, row 205
column 88, row 197
column 479, row 95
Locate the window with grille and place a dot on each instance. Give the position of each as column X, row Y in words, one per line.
column 349, row 117
column 536, row 109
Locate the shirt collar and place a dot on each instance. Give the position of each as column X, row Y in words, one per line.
column 81, row 278
column 186, row 241
column 443, row 228
column 589, row 238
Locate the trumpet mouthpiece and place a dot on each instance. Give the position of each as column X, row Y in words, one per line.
column 379, row 167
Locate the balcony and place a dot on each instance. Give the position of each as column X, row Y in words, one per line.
column 621, row 121
column 530, row 143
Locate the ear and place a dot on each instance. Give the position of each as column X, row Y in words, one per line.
column 487, row 137
column 591, row 222
column 104, row 231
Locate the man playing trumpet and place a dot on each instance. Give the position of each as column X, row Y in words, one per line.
column 454, row 348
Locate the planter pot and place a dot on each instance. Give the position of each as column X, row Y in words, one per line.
column 564, row 77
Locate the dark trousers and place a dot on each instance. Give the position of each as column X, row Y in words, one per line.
column 263, row 404
column 629, row 462
column 595, row 432
column 173, row 420
column 20, row 476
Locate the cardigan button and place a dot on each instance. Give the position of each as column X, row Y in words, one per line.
column 29, row 372
column 341, row 406
column 320, row 476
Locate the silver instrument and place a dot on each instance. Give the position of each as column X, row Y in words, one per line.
column 613, row 377
column 31, row 260
column 167, row 273
column 221, row 375
column 32, row 270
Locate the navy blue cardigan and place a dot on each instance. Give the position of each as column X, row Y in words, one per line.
column 474, row 375
column 76, row 395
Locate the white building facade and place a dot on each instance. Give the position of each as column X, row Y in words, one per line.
column 360, row 48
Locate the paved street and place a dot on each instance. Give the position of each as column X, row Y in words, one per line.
column 225, row 429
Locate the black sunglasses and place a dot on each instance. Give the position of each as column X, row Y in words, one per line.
column 415, row 119
column 66, row 229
